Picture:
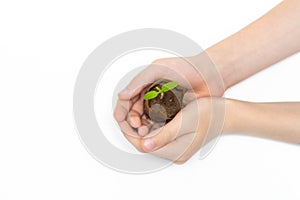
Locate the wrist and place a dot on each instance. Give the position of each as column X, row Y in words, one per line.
column 229, row 124
column 236, row 113
column 210, row 73
column 224, row 64
column 240, row 116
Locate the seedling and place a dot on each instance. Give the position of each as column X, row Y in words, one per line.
column 164, row 88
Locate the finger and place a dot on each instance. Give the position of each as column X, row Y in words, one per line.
column 135, row 114
column 136, row 142
column 176, row 149
column 209, row 128
column 181, row 149
column 139, row 82
column 134, row 119
column 186, row 121
column 138, row 104
column 199, row 141
column 143, row 131
column 146, row 127
column 138, row 107
column 131, row 135
column 121, row 110
column 128, row 130
column 146, row 121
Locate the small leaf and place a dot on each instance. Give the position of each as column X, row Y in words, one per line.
column 169, row 86
column 150, row 95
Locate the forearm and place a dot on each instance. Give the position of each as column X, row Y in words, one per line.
column 266, row 41
column 278, row 121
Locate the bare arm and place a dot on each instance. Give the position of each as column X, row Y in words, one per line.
column 271, row 38
column 266, row 41
column 278, row 121
column 180, row 139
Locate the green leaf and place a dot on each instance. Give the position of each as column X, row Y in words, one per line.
column 150, row 95
column 169, row 86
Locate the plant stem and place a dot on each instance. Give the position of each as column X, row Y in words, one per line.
column 158, row 89
column 161, row 95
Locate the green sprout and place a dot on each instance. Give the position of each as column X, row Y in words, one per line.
column 164, row 88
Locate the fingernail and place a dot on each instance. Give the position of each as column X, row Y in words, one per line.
column 148, row 143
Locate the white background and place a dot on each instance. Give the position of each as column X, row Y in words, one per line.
column 42, row 47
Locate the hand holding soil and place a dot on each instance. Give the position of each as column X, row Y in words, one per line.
column 207, row 75
column 185, row 71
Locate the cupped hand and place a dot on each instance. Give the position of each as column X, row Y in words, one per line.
column 194, row 126
column 198, row 74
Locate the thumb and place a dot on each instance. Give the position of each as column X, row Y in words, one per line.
column 162, row 136
column 186, row 121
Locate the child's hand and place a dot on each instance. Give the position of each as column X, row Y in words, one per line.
column 199, row 122
column 188, row 72
column 206, row 118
